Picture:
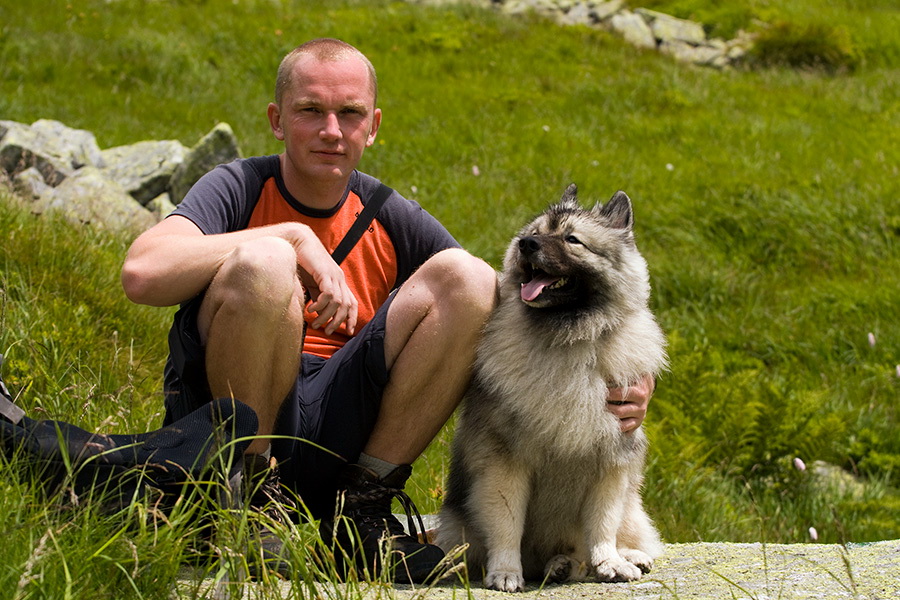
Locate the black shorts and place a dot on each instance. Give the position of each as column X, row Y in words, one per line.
column 325, row 421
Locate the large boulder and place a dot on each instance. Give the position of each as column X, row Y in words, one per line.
column 30, row 183
column 215, row 148
column 633, row 28
column 707, row 54
column 22, row 147
column 78, row 146
column 89, row 196
column 667, row 28
column 145, row 168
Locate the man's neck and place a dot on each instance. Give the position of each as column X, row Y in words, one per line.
column 314, row 194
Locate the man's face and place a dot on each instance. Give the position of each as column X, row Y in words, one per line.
column 326, row 120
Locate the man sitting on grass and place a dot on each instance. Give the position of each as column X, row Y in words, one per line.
column 367, row 359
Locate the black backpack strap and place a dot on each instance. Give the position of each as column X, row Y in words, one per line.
column 8, row 409
column 362, row 223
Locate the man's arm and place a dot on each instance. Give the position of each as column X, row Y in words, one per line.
column 174, row 261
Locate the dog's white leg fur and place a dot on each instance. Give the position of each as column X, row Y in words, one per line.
column 638, row 539
column 604, row 512
column 500, row 494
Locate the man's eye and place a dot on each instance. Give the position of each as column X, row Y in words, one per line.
column 573, row 240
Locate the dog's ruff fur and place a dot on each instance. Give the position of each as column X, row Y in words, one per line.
column 543, row 484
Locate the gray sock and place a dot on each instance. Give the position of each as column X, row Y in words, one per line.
column 382, row 468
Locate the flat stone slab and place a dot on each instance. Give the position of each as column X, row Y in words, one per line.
column 686, row 571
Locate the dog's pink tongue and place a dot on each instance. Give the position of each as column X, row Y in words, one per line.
column 533, row 288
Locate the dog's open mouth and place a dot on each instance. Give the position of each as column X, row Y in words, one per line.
column 538, row 281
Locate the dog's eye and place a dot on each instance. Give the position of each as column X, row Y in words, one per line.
column 573, row 240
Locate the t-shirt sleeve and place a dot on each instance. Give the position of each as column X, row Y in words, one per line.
column 416, row 234
column 223, row 199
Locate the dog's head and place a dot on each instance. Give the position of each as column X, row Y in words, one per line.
column 573, row 263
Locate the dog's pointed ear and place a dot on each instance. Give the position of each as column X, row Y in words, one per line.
column 617, row 212
column 570, row 196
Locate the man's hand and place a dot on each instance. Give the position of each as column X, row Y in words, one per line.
column 629, row 404
column 332, row 301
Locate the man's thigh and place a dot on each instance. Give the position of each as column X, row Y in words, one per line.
column 328, row 421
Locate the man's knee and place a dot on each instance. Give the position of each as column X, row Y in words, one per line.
column 257, row 283
column 464, row 280
column 257, row 272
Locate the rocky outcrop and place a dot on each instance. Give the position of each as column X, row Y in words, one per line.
column 58, row 168
column 695, row 571
column 683, row 40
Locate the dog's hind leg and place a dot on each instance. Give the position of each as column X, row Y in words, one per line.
column 563, row 568
column 498, row 501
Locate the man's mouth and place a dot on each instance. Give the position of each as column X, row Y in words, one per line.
column 329, row 153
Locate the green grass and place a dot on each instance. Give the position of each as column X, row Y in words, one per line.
column 864, row 29
column 765, row 200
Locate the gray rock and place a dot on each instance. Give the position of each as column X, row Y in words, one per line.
column 78, row 146
column 667, row 28
column 579, row 14
column 30, row 184
column 161, row 206
column 145, row 168
column 21, row 148
column 698, row 55
column 633, row 28
column 217, row 147
column 693, row 571
column 643, row 27
column 604, row 10
column 88, row 196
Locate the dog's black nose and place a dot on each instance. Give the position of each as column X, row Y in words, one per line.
column 529, row 245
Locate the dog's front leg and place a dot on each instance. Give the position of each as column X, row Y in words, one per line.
column 500, row 499
column 603, row 516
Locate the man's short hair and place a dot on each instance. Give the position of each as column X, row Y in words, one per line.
column 323, row 49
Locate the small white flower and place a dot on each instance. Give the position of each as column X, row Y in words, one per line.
column 670, row 167
column 476, row 171
column 799, row 464
column 813, row 534
column 871, row 340
column 414, row 189
column 546, row 128
column 898, row 371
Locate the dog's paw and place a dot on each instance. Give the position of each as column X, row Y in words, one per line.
column 639, row 559
column 559, row 568
column 505, row 581
column 616, row 570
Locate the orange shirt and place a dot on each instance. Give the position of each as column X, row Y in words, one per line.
column 370, row 268
column 250, row 192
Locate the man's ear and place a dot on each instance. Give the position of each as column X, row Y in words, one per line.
column 274, row 114
column 376, row 123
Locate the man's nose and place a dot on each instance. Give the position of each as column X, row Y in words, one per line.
column 331, row 128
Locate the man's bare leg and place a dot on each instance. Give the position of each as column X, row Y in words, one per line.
column 433, row 328
column 251, row 322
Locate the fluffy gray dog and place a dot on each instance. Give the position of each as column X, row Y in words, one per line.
column 543, row 484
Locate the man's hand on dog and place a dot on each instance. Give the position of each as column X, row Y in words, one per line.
column 629, row 404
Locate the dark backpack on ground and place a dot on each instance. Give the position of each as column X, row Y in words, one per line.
column 206, row 445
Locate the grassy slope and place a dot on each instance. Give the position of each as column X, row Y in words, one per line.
column 765, row 204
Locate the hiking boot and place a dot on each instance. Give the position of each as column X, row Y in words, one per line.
column 264, row 495
column 367, row 532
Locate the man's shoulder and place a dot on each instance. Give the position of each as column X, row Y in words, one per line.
column 261, row 167
column 365, row 186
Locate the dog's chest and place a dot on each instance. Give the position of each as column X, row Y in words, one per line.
column 561, row 415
